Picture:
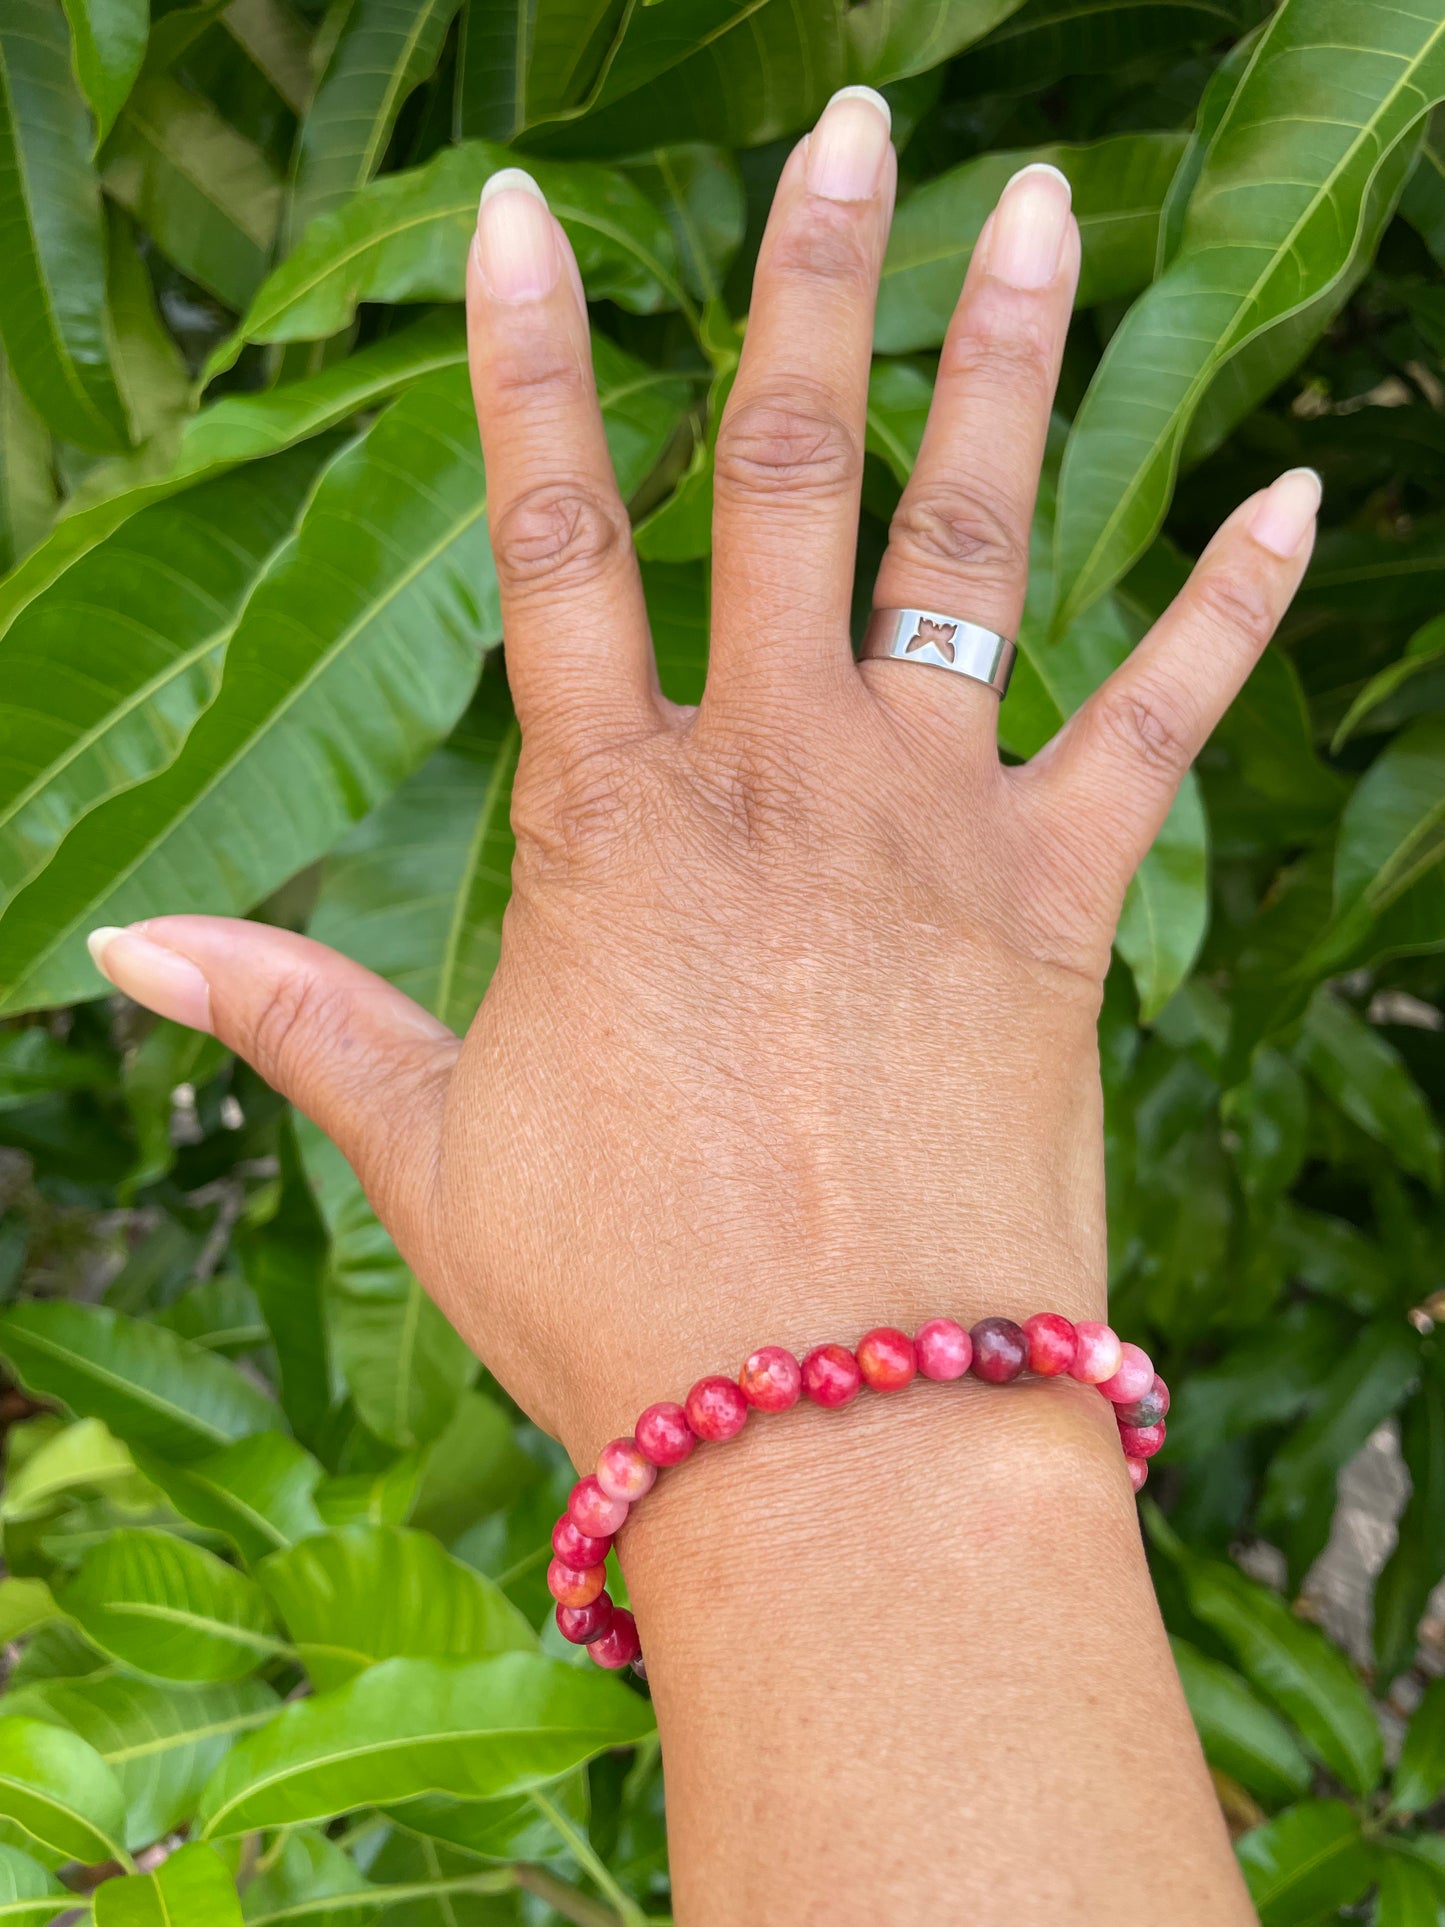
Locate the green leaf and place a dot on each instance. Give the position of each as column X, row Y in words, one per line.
column 191, row 1884
column 370, row 1593
column 1269, row 242
column 169, row 1609
column 27, row 477
column 1411, row 1894
column 1420, row 1775
column 83, row 1454
column 59, row 1793
column 1238, row 1732
column 208, row 196
column 108, row 39
column 700, row 195
column 386, row 48
column 52, row 295
column 476, row 1729
column 149, row 1386
column 1166, row 907
column 309, row 1868
column 150, row 370
column 279, row 42
column 473, row 1468
column 29, row 1893
column 1046, row 40
column 1424, row 650
column 417, row 891
column 1368, row 1079
column 24, row 1605
column 1119, row 186
column 890, row 39
column 1392, row 834
column 1423, row 202
column 1417, row 1563
column 284, row 1260
column 1303, row 1865
column 1270, row 1117
column 899, row 398
column 259, row 1492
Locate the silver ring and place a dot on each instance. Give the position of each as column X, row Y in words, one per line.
column 941, row 642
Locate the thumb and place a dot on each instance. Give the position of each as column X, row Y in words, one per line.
column 363, row 1061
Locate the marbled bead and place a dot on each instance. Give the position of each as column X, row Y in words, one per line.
column 593, row 1511
column 575, row 1586
column 583, row 1623
column 1000, row 1350
column 771, row 1379
column 663, row 1433
column 1149, row 1409
column 1138, row 1472
column 624, row 1471
column 1097, row 1352
column 944, row 1350
column 886, row 1359
column 716, row 1409
column 575, row 1548
column 831, row 1375
column 1133, row 1378
column 1051, row 1343
column 619, row 1645
column 1141, row 1441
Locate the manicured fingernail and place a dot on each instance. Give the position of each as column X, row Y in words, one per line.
column 847, row 148
column 1026, row 234
column 516, row 243
column 1285, row 516
column 161, row 979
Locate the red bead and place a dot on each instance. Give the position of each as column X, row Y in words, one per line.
column 575, row 1586
column 886, row 1359
column 1000, row 1350
column 831, row 1375
column 1147, row 1410
column 619, row 1645
column 716, row 1409
column 593, row 1511
column 583, row 1623
column 1141, row 1441
column 1133, row 1378
column 1138, row 1472
column 944, row 1349
column 1097, row 1352
column 771, row 1379
column 1051, row 1343
column 664, row 1435
column 623, row 1472
column 574, row 1548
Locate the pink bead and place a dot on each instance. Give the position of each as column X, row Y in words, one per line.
column 619, row 1645
column 623, row 1472
column 574, row 1548
column 1097, row 1352
column 1138, row 1472
column 571, row 1586
column 1133, row 1378
column 1141, row 1441
column 944, row 1349
column 593, row 1511
column 771, row 1379
column 664, row 1435
column 1000, row 1350
column 716, row 1409
column 1051, row 1343
column 886, row 1359
column 1147, row 1410
column 583, row 1623
column 831, row 1375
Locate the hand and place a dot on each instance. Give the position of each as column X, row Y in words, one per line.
column 793, row 1027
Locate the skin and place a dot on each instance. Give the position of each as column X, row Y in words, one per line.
column 794, row 1033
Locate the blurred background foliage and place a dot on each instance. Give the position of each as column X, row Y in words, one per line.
column 273, row 1544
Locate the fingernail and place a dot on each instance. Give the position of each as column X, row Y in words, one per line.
column 1287, row 513
column 1026, row 236
column 847, row 148
column 161, row 979
column 516, row 243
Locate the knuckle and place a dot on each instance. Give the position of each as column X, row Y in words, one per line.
column 590, row 805
column 1150, row 726
column 755, row 790
column 781, row 443
column 560, row 534
column 301, row 1019
column 961, row 528
column 832, row 244
column 1013, row 352
column 1236, row 606
column 534, row 373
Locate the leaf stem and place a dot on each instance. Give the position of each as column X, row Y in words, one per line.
column 591, row 1862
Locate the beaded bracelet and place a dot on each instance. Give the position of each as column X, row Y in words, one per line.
column 996, row 1350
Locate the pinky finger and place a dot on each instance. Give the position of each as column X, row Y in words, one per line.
column 1113, row 769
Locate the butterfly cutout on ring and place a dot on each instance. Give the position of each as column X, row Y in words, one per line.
column 940, row 634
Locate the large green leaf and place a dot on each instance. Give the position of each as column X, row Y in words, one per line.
column 385, row 49
column 477, row 1729
column 52, row 294
column 701, row 196
column 417, row 892
column 1370, row 1081
column 109, row 42
column 369, row 1593
column 1302, row 1866
column 29, row 1893
column 191, row 1884
column 58, row 1793
column 305, row 1880
column 150, row 370
column 1045, row 40
column 1420, row 1775
column 259, row 1492
column 1298, row 168
column 284, row 1259
column 27, row 479
column 521, row 60
column 1417, row 1564
column 1239, row 1733
column 169, row 1609
column 1410, row 1894
column 149, row 1386
column 889, row 39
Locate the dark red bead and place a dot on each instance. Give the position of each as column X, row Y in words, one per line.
column 1141, row 1441
column 576, row 1548
column 1051, row 1343
column 886, row 1359
column 716, row 1409
column 664, row 1435
column 619, row 1645
column 1000, row 1350
column 581, row 1624
column 831, row 1375
column 1149, row 1409
column 771, row 1379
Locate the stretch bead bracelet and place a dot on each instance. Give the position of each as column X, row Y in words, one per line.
column 996, row 1350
